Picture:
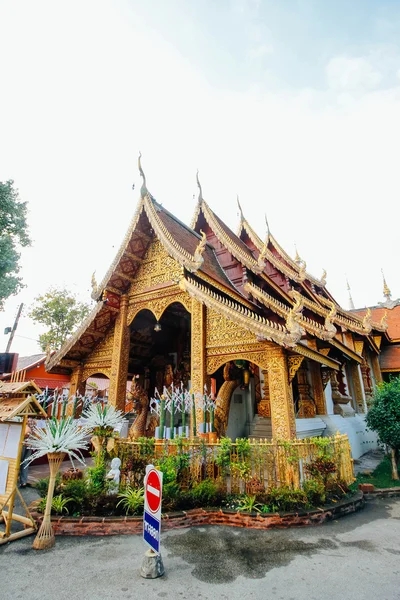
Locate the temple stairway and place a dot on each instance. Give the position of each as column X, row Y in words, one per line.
column 261, row 428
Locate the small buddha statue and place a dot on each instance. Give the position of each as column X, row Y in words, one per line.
column 114, row 476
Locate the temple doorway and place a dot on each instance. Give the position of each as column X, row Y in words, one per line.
column 159, row 353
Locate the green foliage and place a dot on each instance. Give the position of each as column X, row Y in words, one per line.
column 97, row 476
column 146, row 446
column 241, row 469
column 249, row 504
column 13, row 234
column 204, row 493
column 286, row 499
column 243, row 448
column 58, row 505
column 42, row 485
column 76, row 489
column 321, row 467
column 132, row 499
column 60, row 312
column 315, row 491
column 384, row 414
column 223, row 458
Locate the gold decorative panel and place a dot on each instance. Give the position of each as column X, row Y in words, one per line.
column 221, row 331
column 157, row 267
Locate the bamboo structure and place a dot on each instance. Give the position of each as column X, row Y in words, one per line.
column 45, row 537
column 273, row 463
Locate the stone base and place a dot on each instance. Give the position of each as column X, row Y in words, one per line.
column 344, row 410
column 360, row 437
column 152, row 565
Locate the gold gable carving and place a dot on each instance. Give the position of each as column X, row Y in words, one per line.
column 157, row 267
column 221, row 331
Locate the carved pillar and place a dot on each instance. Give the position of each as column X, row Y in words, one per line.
column 264, row 406
column 281, row 397
column 356, row 378
column 367, row 383
column 75, row 386
column 318, row 389
column 198, row 352
column 341, row 402
column 376, row 368
column 306, row 404
column 120, row 358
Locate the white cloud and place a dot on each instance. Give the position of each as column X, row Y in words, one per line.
column 344, row 73
column 74, row 115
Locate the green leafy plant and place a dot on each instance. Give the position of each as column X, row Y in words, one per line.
column 249, row 504
column 204, row 493
column 384, row 418
column 132, row 499
column 58, row 504
column 243, row 448
column 286, row 498
column 146, row 447
column 241, row 469
column 315, row 491
column 42, row 485
column 223, row 458
column 322, row 467
column 97, row 475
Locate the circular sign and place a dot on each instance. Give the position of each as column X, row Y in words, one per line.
column 153, row 491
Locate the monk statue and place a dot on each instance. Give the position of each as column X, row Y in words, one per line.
column 113, row 476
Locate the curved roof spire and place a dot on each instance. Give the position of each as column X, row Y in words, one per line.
column 199, row 186
column 143, row 189
column 386, row 291
column 240, row 208
column 267, row 224
column 351, row 303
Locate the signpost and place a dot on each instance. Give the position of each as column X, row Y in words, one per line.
column 152, row 565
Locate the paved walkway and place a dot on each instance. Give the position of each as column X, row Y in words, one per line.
column 354, row 558
column 37, row 472
column 368, row 461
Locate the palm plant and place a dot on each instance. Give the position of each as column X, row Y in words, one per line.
column 56, row 439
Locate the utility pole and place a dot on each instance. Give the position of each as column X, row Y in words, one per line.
column 13, row 330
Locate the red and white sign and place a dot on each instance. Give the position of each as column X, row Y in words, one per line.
column 153, row 491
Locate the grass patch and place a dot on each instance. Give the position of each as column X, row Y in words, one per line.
column 380, row 478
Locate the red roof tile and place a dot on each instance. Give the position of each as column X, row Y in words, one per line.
column 390, row 358
column 393, row 319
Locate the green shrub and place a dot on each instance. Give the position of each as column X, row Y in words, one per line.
column 204, row 493
column 249, row 504
column 315, row 491
column 42, row 485
column 132, row 499
column 76, row 489
column 286, row 499
column 58, row 505
column 223, row 458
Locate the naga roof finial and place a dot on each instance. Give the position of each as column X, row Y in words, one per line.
column 143, row 189
column 198, row 254
column 199, row 186
column 386, row 291
column 323, row 278
column 351, row 303
column 297, row 257
column 240, row 208
column 95, row 287
column 267, row 224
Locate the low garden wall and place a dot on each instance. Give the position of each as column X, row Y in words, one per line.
column 97, row 526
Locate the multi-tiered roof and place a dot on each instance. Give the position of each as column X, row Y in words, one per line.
column 254, row 283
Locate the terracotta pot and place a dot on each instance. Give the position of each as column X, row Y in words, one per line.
column 212, row 437
column 203, row 435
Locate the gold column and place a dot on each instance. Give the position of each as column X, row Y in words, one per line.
column 74, row 387
column 376, row 368
column 120, row 358
column 357, row 385
column 281, row 396
column 318, row 388
column 198, row 351
column 264, row 406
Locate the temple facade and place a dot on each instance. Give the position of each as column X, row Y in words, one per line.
column 205, row 306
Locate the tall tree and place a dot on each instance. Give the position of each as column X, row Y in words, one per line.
column 61, row 312
column 13, row 234
column 384, row 418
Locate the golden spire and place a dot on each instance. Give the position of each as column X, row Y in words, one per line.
column 143, row 189
column 199, row 186
column 386, row 292
column 351, row 303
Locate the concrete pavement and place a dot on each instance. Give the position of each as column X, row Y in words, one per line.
column 354, row 558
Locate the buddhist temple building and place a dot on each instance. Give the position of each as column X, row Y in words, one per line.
column 205, row 306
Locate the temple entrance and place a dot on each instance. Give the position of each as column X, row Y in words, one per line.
column 159, row 352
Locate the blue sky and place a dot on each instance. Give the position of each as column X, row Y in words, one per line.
column 295, row 106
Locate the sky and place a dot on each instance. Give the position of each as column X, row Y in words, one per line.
column 292, row 105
